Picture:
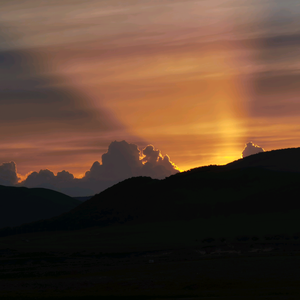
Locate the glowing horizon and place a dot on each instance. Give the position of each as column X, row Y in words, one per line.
column 196, row 79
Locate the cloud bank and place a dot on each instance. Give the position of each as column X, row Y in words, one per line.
column 251, row 149
column 121, row 161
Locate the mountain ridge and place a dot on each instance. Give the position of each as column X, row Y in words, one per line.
column 252, row 186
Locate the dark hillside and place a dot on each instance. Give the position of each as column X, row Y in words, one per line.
column 20, row 205
column 280, row 160
column 205, row 193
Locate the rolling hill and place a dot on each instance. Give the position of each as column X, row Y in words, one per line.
column 20, row 205
column 259, row 192
column 280, row 160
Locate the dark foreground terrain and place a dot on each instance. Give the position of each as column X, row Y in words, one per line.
column 216, row 232
column 99, row 266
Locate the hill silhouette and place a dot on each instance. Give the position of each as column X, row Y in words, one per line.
column 20, row 205
column 82, row 199
column 257, row 186
column 280, row 160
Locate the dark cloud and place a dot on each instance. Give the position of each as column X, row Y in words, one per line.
column 8, row 174
column 275, row 95
column 121, row 161
column 151, row 155
column 64, row 176
column 274, row 91
column 43, row 178
column 156, row 165
column 33, row 101
column 43, row 111
column 48, row 179
column 250, row 149
column 124, row 160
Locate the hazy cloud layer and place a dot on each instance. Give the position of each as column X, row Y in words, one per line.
column 250, row 149
column 164, row 70
column 122, row 161
column 40, row 113
column 31, row 97
column 276, row 95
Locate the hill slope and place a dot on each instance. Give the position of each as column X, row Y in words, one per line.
column 243, row 190
column 280, row 160
column 20, row 205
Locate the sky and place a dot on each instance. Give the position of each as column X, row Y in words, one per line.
column 198, row 80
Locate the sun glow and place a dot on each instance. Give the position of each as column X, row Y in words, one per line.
column 183, row 97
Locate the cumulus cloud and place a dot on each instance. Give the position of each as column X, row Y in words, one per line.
column 251, row 149
column 121, row 161
column 8, row 173
column 124, row 160
column 46, row 178
column 156, row 165
column 64, row 176
column 151, row 155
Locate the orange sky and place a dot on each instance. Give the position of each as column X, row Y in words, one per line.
column 196, row 79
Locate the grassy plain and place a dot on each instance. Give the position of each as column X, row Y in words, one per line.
column 115, row 263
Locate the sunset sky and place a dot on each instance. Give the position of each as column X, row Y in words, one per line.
column 196, row 79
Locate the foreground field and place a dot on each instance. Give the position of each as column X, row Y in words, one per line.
column 150, row 261
column 156, row 235
column 176, row 274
